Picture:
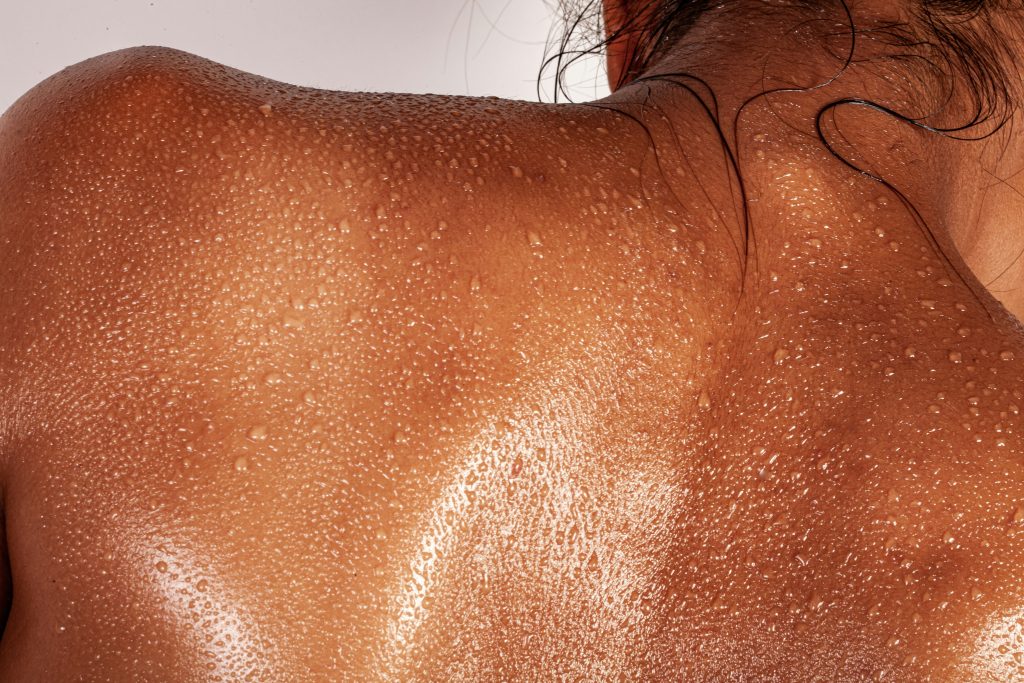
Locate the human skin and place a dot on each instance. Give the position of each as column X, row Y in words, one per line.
column 304, row 385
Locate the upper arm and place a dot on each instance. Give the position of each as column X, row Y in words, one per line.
column 71, row 150
column 74, row 155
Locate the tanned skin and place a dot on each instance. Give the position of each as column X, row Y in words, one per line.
column 317, row 386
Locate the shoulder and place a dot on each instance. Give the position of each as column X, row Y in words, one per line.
column 95, row 100
column 96, row 135
column 131, row 162
column 73, row 152
column 88, row 158
column 141, row 180
column 154, row 117
column 122, row 126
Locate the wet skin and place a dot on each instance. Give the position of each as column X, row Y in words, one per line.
column 301, row 385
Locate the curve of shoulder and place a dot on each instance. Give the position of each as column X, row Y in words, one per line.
column 121, row 174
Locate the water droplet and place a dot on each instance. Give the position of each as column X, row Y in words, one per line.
column 355, row 315
column 161, row 567
column 910, row 352
column 976, row 593
column 928, row 303
column 1018, row 514
column 310, row 398
column 963, row 331
column 202, row 585
column 257, row 432
column 241, row 464
column 292, row 321
column 273, row 379
column 704, row 401
column 780, row 355
column 533, row 238
column 933, row 408
column 1006, row 355
column 516, row 171
column 266, row 109
column 400, row 437
column 474, row 284
column 955, row 356
column 894, row 245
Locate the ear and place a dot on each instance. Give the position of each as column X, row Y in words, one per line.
column 617, row 50
column 623, row 20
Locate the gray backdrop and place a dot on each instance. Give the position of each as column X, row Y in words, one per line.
column 474, row 47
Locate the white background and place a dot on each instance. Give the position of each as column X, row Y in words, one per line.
column 461, row 47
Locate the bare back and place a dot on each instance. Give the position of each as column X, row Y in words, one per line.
column 300, row 385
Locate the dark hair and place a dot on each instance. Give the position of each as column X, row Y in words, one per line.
column 959, row 33
column 956, row 41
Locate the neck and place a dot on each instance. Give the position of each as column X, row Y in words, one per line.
column 964, row 199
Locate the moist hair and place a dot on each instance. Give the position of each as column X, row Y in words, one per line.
column 955, row 46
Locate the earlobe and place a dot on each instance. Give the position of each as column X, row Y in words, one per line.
column 625, row 23
column 616, row 49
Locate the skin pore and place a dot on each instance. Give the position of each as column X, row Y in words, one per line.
column 305, row 385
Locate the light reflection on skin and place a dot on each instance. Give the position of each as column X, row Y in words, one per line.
column 999, row 648
column 202, row 609
column 436, row 538
column 598, row 518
